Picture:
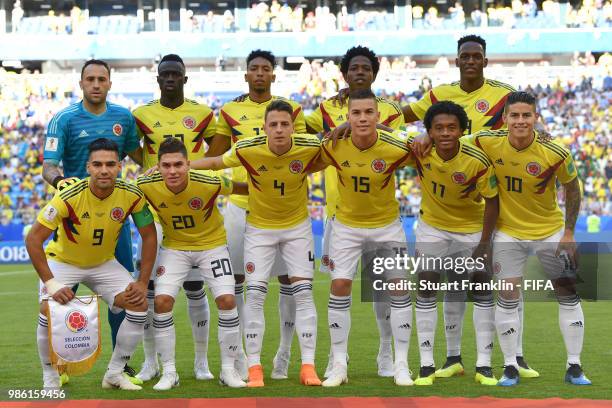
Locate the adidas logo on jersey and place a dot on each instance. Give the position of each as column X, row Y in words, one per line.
column 83, row 133
column 426, row 343
column 157, row 125
column 345, row 164
column 577, row 324
column 163, row 205
column 262, row 168
column 404, row 326
column 243, row 118
column 509, row 332
column 428, row 166
column 340, row 117
column 85, row 215
column 499, row 161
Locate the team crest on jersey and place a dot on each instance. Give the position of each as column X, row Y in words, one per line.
column 296, row 166
column 458, row 177
column 160, row 271
column 325, row 260
column 249, row 267
column 533, row 168
column 482, row 105
column 117, row 213
column 379, row 165
column 76, row 321
column 196, row 203
column 189, row 122
column 117, row 129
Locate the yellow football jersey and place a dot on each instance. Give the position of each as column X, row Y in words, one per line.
column 366, row 179
column 278, row 185
column 329, row 116
column 238, row 120
column 191, row 122
column 86, row 227
column 452, row 189
column 190, row 219
column 527, row 184
column 483, row 106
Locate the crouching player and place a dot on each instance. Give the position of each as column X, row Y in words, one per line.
column 87, row 218
column 277, row 222
column 455, row 223
column 185, row 201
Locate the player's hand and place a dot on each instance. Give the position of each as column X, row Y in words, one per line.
column 340, row 98
column 151, row 170
column 341, row 132
column 67, row 182
column 63, row 295
column 567, row 251
column 136, row 293
column 241, row 98
column 421, row 145
column 484, row 250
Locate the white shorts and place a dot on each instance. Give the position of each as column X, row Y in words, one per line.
column 435, row 246
column 107, row 280
column 214, row 268
column 194, row 274
column 324, row 265
column 263, row 246
column 348, row 244
column 510, row 255
column 234, row 219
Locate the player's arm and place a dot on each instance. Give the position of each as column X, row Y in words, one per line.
column 51, row 172
column 572, row 208
column 54, row 151
column 208, row 163
column 34, row 245
column 136, row 155
column 240, row 188
column 409, row 115
column 136, row 292
column 219, row 145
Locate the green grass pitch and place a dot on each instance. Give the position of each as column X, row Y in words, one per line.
column 20, row 367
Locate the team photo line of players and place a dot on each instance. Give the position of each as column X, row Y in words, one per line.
column 462, row 208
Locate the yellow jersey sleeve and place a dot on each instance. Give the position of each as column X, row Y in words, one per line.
column 52, row 214
column 299, row 121
column 315, row 120
column 420, row 107
column 223, row 128
column 567, row 171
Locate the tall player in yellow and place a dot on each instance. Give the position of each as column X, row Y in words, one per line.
column 530, row 219
column 172, row 115
column 87, row 218
column 185, row 202
column 277, row 224
column 483, row 100
column 237, row 120
column 359, row 67
column 366, row 213
column 458, row 211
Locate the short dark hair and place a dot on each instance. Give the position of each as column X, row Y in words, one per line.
column 280, row 106
column 103, row 143
column 171, row 145
column 172, row 57
column 361, row 94
column 357, row 52
column 267, row 55
column 520, row 97
column 95, row 62
column 472, row 38
column 448, row 108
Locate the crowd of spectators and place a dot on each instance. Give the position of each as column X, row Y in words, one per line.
column 576, row 113
column 279, row 16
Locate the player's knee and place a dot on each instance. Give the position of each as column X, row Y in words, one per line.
column 44, row 307
column 163, row 303
column 225, row 302
column 239, row 278
column 284, row 280
column 193, row 286
column 143, row 307
column 564, row 286
column 341, row 287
